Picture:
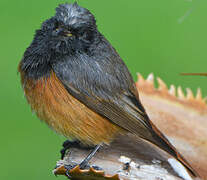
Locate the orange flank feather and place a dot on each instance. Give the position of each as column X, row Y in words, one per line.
column 65, row 114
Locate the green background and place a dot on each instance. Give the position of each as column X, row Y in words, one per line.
column 146, row 33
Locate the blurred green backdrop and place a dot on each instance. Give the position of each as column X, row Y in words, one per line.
column 146, row 33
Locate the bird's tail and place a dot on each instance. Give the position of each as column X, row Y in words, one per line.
column 162, row 142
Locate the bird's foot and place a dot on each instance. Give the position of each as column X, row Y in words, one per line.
column 68, row 168
column 84, row 165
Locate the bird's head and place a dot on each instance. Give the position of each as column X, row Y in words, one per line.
column 73, row 28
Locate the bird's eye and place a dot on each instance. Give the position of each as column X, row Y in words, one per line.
column 57, row 29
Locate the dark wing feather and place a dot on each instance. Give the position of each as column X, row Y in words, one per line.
column 105, row 85
column 120, row 111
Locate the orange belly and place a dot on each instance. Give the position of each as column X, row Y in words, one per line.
column 65, row 114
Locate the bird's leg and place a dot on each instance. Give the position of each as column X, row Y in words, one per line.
column 85, row 162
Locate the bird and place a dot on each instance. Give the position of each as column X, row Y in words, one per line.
column 76, row 82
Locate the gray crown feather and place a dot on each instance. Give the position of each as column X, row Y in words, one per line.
column 72, row 13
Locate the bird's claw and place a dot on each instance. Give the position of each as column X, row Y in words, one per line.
column 68, row 168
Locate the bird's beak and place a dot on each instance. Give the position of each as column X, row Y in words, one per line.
column 62, row 32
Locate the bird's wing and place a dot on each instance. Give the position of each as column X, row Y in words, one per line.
column 107, row 90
